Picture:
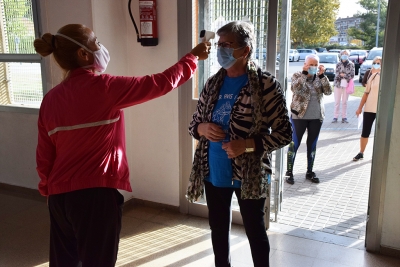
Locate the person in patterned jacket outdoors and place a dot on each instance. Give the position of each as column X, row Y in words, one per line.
column 307, row 112
column 240, row 119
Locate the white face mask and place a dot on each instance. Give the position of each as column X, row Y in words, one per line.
column 101, row 56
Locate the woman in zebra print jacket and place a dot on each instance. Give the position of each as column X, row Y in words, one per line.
column 241, row 118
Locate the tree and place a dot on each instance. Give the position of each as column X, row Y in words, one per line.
column 17, row 18
column 313, row 21
column 367, row 30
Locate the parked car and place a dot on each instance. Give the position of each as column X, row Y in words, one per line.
column 321, row 49
column 329, row 60
column 366, row 65
column 335, row 51
column 357, row 57
column 293, row 55
column 305, row 52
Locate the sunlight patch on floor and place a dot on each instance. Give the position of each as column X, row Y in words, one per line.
column 147, row 244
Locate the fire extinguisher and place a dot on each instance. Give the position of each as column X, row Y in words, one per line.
column 148, row 22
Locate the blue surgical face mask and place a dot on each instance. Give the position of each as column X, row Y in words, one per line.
column 312, row 70
column 344, row 57
column 376, row 66
column 225, row 57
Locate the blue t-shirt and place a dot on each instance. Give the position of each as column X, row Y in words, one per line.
column 220, row 165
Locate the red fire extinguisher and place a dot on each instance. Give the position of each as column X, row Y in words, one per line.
column 148, row 22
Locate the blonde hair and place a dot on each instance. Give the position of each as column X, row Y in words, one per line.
column 377, row 58
column 63, row 50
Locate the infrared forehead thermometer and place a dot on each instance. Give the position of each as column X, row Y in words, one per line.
column 206, row 35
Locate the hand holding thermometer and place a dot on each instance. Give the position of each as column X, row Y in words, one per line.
column 206, row 36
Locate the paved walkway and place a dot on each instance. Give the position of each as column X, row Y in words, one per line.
column 338, row 204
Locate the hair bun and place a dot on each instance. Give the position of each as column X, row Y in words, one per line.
column 44, row 46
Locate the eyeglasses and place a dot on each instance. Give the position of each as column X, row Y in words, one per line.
column 224, row 45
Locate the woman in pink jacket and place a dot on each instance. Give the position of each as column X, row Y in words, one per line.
column 81, row 158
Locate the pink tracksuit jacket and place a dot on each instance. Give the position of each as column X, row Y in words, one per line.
column 81, row 140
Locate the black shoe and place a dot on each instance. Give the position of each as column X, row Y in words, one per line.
column 289, row 177
column 359, row 156
column 311, row 176
column 344, row 120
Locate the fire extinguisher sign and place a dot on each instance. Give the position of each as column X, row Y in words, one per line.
column 148, row 19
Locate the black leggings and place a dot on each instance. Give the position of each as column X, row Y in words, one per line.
column 299, row 126
column 219, row 215
column 368, row 120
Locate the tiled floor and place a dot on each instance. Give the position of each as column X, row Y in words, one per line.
column 338, row 204
column 321, row 225
column 155, row 237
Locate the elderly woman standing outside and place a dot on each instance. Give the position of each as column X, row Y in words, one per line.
column 241, row 117
column 370, row 103
column 307, row 108
column 344, row 73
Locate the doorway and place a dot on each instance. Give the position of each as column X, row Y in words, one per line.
column 331, row 211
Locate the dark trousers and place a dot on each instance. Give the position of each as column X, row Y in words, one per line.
column 85, row 227
column 219, row 214
column 299, row 126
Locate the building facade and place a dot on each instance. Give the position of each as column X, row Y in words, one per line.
column 342, row 25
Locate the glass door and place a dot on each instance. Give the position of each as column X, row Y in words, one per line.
column 211, row 15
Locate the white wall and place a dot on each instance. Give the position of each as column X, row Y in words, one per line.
column 18, row 139
column 391, row 216
column 151, row 128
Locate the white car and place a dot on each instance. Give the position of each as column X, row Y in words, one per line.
column 294, row 55
column 305, row 52
column 329, row 60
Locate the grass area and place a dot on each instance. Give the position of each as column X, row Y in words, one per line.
column 358, row 91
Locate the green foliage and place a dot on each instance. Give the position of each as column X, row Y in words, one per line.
column 358, row 91
column 19, row 26
column 367, row 31
column 313, row 21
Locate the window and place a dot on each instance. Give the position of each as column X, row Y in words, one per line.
column 219, row 12
column 20, row 67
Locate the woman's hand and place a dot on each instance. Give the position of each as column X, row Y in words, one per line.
column 358, row 111
column 306, row 67
column 342, row 74
column 234, row 148
column 201, row 50
column 211, row 131
column 321, row 70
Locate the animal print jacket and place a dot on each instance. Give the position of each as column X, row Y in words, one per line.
column 259, row 112
column 302, row 94
column 348, row 70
